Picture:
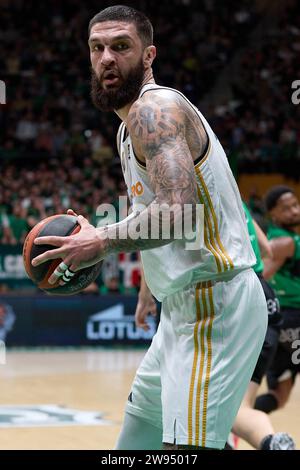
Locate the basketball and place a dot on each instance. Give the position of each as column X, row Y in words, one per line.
column 62, row 226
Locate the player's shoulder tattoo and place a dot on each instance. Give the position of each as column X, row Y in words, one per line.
column 156, row 119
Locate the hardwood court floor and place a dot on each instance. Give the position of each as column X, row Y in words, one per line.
column 90, row 380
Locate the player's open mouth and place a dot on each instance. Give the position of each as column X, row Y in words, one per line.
column 110, row 79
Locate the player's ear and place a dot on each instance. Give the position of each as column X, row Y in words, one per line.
column 149, row 56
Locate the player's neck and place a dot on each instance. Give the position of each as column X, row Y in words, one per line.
column 123, row 112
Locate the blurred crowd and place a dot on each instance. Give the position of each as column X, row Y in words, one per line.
column 260, row 127
column 31, row 194
column 44, row 60
column 57, row 151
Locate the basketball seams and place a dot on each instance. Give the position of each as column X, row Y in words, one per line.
column 48, row 227
column 44, row 283
column 33, row 234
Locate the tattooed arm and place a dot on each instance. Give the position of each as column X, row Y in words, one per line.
column 157, row 129
column 158, row 132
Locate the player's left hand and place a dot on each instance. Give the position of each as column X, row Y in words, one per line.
column 78, row 251
column 146, row 305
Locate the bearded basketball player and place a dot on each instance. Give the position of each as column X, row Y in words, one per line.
column 213, row 321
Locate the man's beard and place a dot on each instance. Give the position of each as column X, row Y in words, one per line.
column 117, row 98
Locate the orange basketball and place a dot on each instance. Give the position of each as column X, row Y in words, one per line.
column 62, row 226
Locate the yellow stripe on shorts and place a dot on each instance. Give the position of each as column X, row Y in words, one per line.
column 208, row 368
column 194, row 368
column 197, row 421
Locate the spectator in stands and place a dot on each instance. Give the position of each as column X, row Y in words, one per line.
column 18, row 224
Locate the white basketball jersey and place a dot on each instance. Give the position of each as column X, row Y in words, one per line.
column 226, row 249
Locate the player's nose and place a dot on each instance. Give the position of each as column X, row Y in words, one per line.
column 107, row 57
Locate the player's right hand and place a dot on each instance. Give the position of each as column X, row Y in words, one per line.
column 146, row 305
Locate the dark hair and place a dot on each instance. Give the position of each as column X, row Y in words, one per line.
column 274, row 194
column 128, row 15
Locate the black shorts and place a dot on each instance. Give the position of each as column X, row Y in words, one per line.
column 274, row 314
column 287, row 358
column 267, row 355
column 271, row 340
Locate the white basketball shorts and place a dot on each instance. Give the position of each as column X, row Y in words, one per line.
column 192, row 379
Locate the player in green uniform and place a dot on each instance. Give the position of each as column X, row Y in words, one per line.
column 284, row 274
column 252, row 425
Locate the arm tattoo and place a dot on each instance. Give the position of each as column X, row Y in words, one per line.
column 157, row 128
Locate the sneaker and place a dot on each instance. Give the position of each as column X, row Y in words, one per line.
column 282, row 441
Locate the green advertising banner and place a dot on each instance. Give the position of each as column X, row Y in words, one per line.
column 12, row 271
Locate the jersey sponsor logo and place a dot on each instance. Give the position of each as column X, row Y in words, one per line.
column 296, row 354
column 20, row 416
column 289, row 335
column 112, row 323
column 296, row 94
column 273, row 306
column 137, row 189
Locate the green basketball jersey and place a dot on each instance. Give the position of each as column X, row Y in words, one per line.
column 259, row 266
column 286, row 282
